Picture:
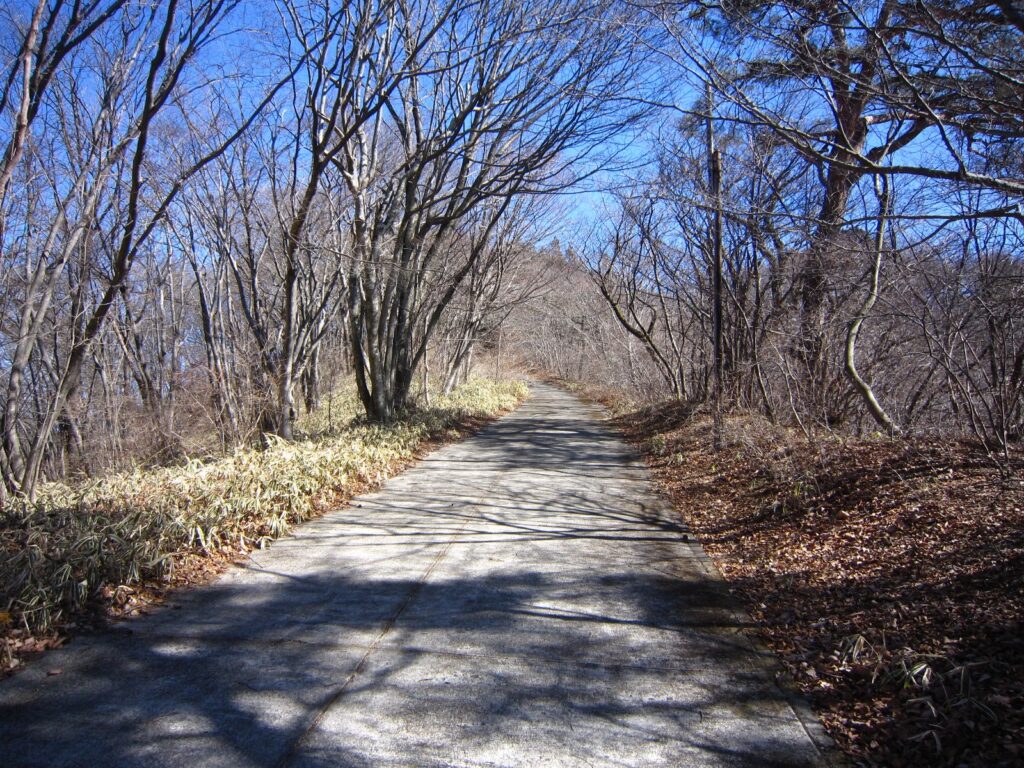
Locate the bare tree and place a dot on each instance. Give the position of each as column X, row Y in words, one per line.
column 505, row 276
column 852, row 87
column 139, row 63
column 505, row 100
column 867, row 393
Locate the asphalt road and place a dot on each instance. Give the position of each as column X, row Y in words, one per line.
column 518, row 599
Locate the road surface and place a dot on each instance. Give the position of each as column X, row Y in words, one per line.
column 521, row 598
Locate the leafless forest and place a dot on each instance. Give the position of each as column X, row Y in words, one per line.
column 212, row 212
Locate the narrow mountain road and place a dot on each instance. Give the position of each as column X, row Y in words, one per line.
column 518, row 599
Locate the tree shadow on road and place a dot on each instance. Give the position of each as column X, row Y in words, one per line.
column 485, row 622
column 242, row 671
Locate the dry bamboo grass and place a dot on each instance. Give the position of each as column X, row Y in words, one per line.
column 76, row 543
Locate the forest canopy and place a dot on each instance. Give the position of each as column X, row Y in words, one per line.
column 213, row 211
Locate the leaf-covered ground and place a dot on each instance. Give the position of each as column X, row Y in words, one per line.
column 887, row 575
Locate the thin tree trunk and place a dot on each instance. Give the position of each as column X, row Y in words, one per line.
column 715, row 181
column 862, row 387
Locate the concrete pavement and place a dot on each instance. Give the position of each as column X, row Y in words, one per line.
column 518, row 599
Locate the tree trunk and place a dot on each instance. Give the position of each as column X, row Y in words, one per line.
column 863, row 388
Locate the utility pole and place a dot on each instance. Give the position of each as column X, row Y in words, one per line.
column 715, row 185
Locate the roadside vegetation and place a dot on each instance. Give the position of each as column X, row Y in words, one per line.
column 802, row 224
column 113, row 544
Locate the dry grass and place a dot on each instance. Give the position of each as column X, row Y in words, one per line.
column 104, row 544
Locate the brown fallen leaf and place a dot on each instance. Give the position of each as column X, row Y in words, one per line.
column 917, row 547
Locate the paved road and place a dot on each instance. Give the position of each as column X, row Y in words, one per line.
column 518, row 599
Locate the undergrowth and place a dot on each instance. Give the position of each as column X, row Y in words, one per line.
column 85, row 545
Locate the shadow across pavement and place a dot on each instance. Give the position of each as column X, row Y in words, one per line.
column 517, row 599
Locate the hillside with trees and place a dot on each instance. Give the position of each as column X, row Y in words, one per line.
column 245, row 242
